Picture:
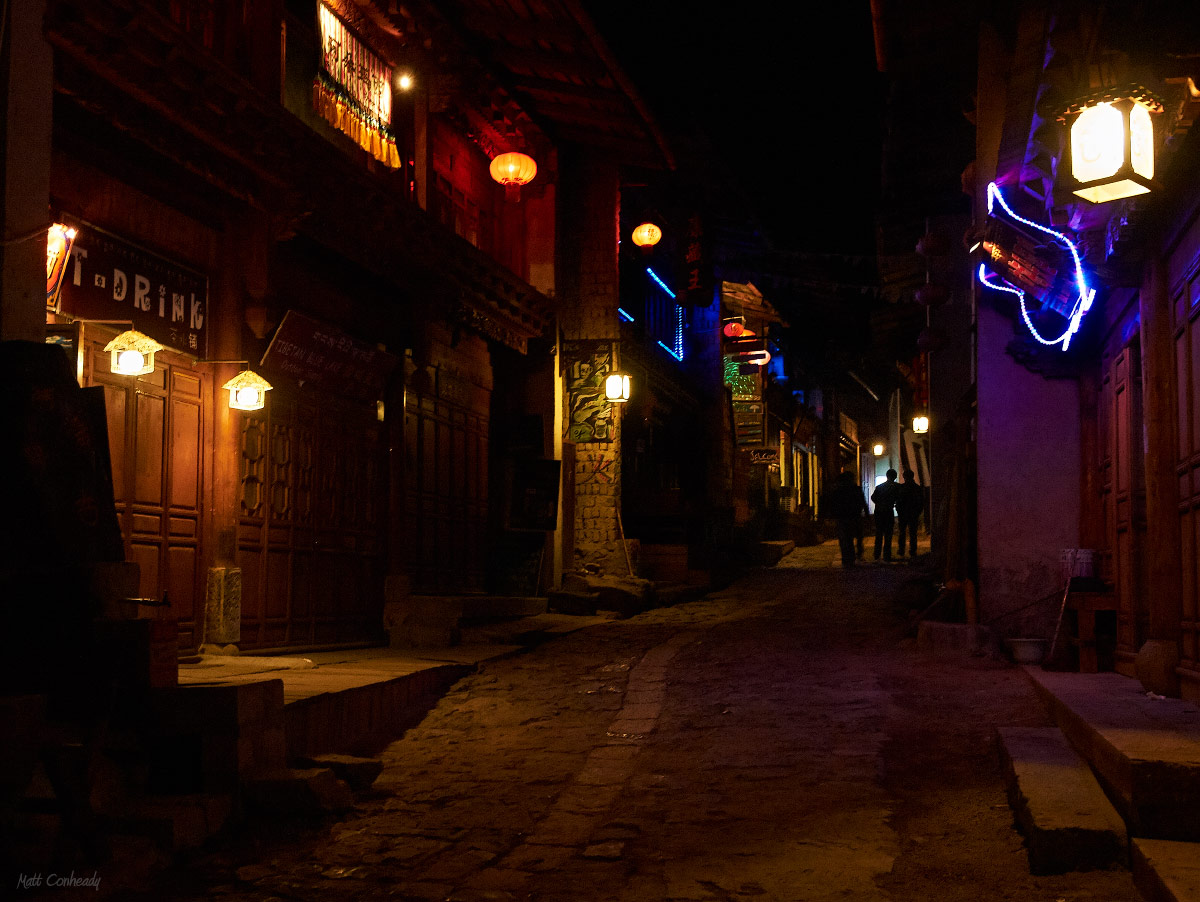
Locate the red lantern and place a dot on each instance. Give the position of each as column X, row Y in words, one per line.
column 512, row 170
column 734, row 328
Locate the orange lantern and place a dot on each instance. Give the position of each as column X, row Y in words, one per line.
column 647, row 235
column 512, row 170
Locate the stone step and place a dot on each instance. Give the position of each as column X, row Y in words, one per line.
column 1145, row 750
column 1068, row 823
column 1165, row 870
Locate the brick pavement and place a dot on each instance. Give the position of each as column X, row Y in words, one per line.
column 778, row 740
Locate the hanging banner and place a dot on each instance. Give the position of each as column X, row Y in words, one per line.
column 107, row 279
column 353, row 90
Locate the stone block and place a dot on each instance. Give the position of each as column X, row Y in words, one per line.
column 357, row 773
column 1068, row 822
column 298, row 791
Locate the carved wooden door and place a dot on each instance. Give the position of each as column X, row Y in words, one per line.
column 158, row 428
column 310, row 537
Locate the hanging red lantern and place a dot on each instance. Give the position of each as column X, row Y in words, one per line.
column 734, row 328
column 512, row 170
column 647, row 235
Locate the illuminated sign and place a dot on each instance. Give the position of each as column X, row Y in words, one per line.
column 1025, row 271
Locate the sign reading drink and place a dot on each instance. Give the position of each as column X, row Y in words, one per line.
column 111, row 280
column 360, row 72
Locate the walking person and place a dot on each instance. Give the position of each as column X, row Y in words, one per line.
column 885, row 496
column 910, row 502
column 847, row 505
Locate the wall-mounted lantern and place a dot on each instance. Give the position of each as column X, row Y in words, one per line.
column 1112, row 144
column 404, row 79
column 247, row 391
column 877, row 449
column 616, row 388
column 132, row 353
column 512, row 170
column 647, row 235
column 920, row 424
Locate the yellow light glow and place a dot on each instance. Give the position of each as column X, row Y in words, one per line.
column 877, row 449
column 647, row 235
column 920, row 425
column 1097, row 143
column 404, row 81
column 130, row 363
column 1141, row 141
column 616, row 388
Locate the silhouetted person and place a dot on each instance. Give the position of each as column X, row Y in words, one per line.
column 885, row 496
column 847, row 505
column 910, row 501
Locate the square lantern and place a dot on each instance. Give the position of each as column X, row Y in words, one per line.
column 132, row 353
column 1112, row 144
column 616, row 388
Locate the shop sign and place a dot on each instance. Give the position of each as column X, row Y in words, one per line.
column 107, row 279
column 697, row 289
column 322, row 356
column 1035, row 265
column 764, row 455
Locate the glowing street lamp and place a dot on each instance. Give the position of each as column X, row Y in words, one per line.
column 1112, row 144
column 132, row 353
column 247, row 391
column 877, row 449
column 616, row 388
column 920, row 424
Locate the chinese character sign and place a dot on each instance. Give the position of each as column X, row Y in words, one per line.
column 350, row 64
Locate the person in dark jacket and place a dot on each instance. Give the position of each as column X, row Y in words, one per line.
column 847, row 505
column 909, row 503
column 885, row 496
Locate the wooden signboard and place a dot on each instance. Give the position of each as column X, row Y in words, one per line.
column 321, row 355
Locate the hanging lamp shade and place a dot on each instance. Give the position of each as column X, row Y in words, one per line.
column 247, row 391
column 132, row 353
column 1112, row 144
column 647, row 235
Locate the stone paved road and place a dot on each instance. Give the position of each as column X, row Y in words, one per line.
column 779, row 740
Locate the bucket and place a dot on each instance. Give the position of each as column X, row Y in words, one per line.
column 1077, row 562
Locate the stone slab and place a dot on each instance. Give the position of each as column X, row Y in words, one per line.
column 1166, row 871
column 952, row 639
column 1068, row 823
column 1144, row 749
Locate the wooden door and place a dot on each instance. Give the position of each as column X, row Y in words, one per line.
column 1185, row 304
column 158, row 429
column 1124, row 495
column 310, row 537
column 446, row 492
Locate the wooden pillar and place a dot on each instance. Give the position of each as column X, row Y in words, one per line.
column 26, row 99
column 1159, row 656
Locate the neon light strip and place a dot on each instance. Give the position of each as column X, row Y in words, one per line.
column 625, row 314
column 669, row 351
column 1086, row 295
column 1005, row 285
column 679, row 332
column 661, row 283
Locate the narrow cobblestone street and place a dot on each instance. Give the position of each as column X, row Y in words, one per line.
column 781, row 739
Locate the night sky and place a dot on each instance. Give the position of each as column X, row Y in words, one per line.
column 788, row 93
